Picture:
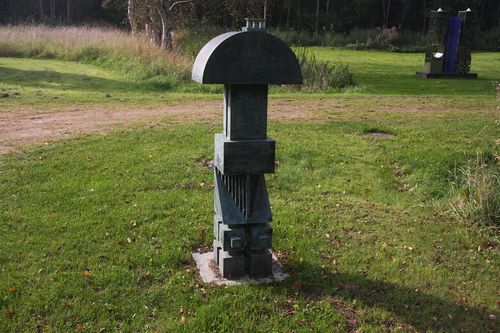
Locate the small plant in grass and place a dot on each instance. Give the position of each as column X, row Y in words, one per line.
column 497, row 87
column 476, row 193
column 375, row 39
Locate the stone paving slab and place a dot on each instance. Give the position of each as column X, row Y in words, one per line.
column 210, row 273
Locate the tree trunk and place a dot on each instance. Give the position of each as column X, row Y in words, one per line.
column 298, row 16
column 40, row 10
column 288, row 15
column 52, row 4
column 403, row 13
column 385, row 13
column 166, row 28
column 424, row 23
column 153, row 28
column 317, row 16
column 131, row 16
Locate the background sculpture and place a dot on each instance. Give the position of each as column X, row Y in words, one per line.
column 246, row 63
column 451, row 38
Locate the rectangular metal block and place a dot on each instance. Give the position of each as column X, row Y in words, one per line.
column 217, row 250
column 245, row 111
column 231, row 266
column 217, row 222
column 434, row 59
column 261, row 237
column 244, row 157
column 259, row 262
column 232, row 238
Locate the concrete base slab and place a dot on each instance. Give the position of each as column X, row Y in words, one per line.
column 447, row 75
column 210, row 273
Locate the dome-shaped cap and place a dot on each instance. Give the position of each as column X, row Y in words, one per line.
column 251, row 57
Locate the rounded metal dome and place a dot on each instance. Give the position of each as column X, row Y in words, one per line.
column 251, row 57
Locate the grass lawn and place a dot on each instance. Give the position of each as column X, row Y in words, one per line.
column 98, row 230
column 393, row 74
column 53, row 83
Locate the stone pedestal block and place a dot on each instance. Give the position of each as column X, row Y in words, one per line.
column 232, row 265
column 259, row 262
column 261, row 236
column 231, row 237
column 244, row 156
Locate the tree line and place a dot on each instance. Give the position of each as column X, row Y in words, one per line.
column 160, row 17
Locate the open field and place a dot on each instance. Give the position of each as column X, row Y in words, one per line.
column 104, row 198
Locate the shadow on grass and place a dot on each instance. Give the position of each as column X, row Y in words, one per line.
column 50, row 79
column 376, row 304
column 54, row 80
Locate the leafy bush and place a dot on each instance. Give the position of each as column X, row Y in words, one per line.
column 293, row 38
column 488, row 40
column 410, row 42
column 358, row 39
column 374, row 39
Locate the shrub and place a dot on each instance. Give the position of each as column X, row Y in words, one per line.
column 189, row 41
column 488, row 40
column 294, row 38
column 322, row 76
column 373, row 39
column 410, row 42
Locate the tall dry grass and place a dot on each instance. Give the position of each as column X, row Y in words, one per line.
column 109, row 48
column 476, row 193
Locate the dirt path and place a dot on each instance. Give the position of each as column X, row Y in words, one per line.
column 26, row 126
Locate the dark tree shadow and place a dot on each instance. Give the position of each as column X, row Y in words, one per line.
column 411, row 309
column 50, row 79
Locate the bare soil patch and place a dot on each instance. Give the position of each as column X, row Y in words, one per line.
column 27, row 125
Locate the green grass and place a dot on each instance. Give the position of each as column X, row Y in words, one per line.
column 55, row 83
column 98, row 230
column 393, row 74
column 42, row 81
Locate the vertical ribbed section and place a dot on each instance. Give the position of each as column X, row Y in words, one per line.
column 239, row 188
